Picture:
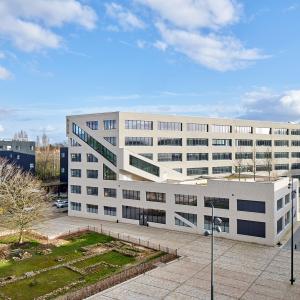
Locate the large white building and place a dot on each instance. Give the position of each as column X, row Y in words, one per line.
column 149, row 170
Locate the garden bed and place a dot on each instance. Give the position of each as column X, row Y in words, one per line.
column 66, row 265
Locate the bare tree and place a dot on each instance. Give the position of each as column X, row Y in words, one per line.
column 268, row 162
column 254, row 163
column 22, row 199
column 238, row 162
column 21, row 136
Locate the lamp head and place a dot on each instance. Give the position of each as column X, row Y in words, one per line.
column 206, row 233
column 218, row 221
column 218, row 229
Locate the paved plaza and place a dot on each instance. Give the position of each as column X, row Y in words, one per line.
column 242, row 270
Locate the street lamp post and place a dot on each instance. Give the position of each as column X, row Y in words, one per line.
column 292, row 280
column 214, row 222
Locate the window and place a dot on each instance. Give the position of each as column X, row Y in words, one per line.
column 147, row 155
column 287, row 218
column 138, row 141
column 196, row 142
column 221, row 142
column 174, row 126
column 279, row 225
column 111, row 139
column 281, row 143
column 109, row 192
column 144, row 215
column 108, row 174
column 186, row 199
column 189, row 217
column 251, row 206
column 110, row 211
column 76, row 206
column 224, row 225
column 263, row 168
column 74, row 143
column 287, row 199
column 109, row 124
column 295, row 132
column 279, row 203
column 130, row 194
column 197, row 127
column 243, row 155
column 106, row 153
column 155, row 197
column 169, row 157
column 263, row 130
column 221, row 170
column 296, row 154
column 18, row 156
column 263, row 155
column 221, row 128
column 92, row 174
column 221, row 156
column 295, row 143
column 197, row 171
column 251, row 228
column 31, row 148
column 92, row 191
column 282, row 155
column 181, row 223
column 63, row 155
column 139, row 124
column 90, row 208
column 92, row 124
column 169, row 141
column 281, row 131
column 265, row 143
column 244, row 143
column 243, row 168
column 75, row 173
column 295, row 166
column 91, row 158
column 62, row 170
column 31, row 166
column 75, row 189
column 222, row 203
column 143, row 165
column 281, row 167
column 196, row 156
column 76, row 157
column 243, row 129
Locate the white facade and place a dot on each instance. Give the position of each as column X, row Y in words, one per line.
column 99, row 184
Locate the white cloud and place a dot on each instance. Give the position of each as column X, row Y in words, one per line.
column 5, row 74
column 28, row 24
column 265, row 104
column 160, row 45
column 141, row 44
column 125, row 18
column 221, row 53
column 1, row 128
column 195, row 14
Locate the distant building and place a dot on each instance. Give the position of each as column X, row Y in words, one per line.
column 21, row 153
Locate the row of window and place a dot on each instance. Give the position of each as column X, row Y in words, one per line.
column 283, row 221
column 91, row 208
column 107, row 124
column 244, row 227
column 164, row 141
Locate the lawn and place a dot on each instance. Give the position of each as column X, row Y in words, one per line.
column 51, row 280
column 41, row 284
column 70, row 251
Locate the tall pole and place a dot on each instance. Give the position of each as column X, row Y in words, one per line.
column 292, row 280
column 212, row 254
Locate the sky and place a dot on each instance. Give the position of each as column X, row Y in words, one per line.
column 217, row 58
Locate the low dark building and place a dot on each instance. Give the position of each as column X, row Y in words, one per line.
column 64, row 164
column 21, row 153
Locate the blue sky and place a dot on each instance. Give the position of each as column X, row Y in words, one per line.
column 237, row 59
